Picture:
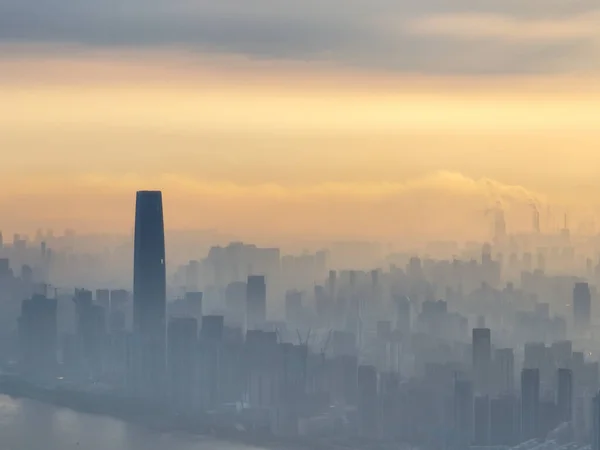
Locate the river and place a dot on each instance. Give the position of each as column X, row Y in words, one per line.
column 29, row 425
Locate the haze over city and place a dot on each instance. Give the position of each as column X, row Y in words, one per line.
column 239, row 111
column 320, row 224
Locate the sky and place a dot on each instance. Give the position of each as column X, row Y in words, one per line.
column 371, row 119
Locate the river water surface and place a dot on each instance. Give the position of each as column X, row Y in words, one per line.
column 30, row 425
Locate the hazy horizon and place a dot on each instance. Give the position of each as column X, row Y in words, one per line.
column 322, row 119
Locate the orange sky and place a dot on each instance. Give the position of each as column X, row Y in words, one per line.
column 254, row 146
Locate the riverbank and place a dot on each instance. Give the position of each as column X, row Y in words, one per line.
column 218, row 427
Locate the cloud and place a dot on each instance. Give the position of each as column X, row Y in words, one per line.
column 433, row 206
column 454, row 183
column 349, row 33
column 505, row 28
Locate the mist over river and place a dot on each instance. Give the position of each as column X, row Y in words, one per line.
column 29, row 425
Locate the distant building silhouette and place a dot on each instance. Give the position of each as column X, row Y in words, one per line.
column 481, row 422
column 482, row 358
column 582, row 305
column 149, row 295
column 367, row 401
column 596, row 422
column 182, row 362
column 530, row 404
column 256, row 302
column 564, row 396
column 463, row 413
column 37, row 328
column 504, row 370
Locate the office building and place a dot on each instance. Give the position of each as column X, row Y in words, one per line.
column 91, row 331
column 118, row 299
column 193, row 302
column 256, row 302
column 530, row 404
column 403, row 318
column 192, row 276
column 564, row 395
column 293, row 306
column 596, row 422
column 504, row 371
column 561, row 352
column 482, row 421
column 463, row 413
column 103, row 299
column 210, row 354
column 482, row 359
column 504, row 425
column 582, row 305
column 367, row 401
column 37, row 328
column 235, row 301
column 182, row 338
column 261, row 352
column 149, row 296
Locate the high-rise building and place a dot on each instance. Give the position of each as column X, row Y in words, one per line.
column 37, row 328
column 596, row 422
column 118, row 298
column 562, row 352
column 235, row 301
column 149, row 295
column 481, row 422
column 504, row 429
column 504, row 363
column 293, row 306
column 210, row 354
column 4, row 267
column 564, row 395
column 463, row 413
column 103, row 299
column 403, row 319
column 193, row 301
column 192, row 276
column 530, row 404
column 91, row 330
column 331, row 284
column 367, row 401
column 582, row 305
column 256, row 301
column 482, row 358
column 182, row 362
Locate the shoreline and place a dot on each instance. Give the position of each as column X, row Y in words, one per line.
column 136, row 413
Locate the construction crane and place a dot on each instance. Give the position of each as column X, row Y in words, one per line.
column 300, row 337
column 326, row 345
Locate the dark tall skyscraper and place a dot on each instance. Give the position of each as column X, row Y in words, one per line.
column 149, row 294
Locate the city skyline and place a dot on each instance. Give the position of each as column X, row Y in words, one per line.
column 454, row 335
column 332, row 224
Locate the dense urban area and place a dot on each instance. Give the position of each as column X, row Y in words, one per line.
column 451, row 347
